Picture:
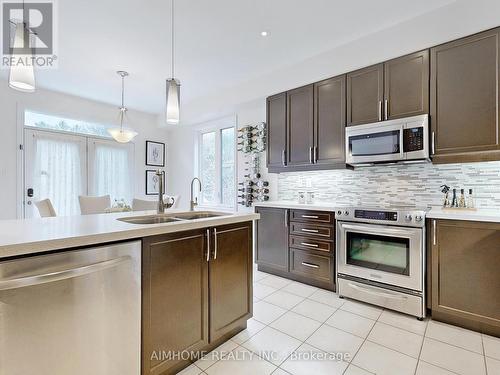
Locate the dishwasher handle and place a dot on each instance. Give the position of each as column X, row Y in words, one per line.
column 6, row 284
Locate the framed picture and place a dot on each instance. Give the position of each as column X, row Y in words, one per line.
column 153, row 182
column 155, row 154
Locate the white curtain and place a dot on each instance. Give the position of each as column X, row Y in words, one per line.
column 58, row 173
column 112, row 171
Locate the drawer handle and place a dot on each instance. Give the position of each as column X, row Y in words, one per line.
column 310, row 265
column 309, row 244
column 310, row 230
column 310, row 217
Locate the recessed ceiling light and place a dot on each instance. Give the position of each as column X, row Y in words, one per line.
column 263, row 33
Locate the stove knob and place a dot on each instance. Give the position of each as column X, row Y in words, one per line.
column 418, row 218
column 408, row 217
column 346, row 213
column 339, row 212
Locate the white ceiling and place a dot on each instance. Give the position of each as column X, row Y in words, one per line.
column 218, row 42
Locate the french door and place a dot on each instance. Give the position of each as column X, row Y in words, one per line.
column 55, row 168
column 61, row 167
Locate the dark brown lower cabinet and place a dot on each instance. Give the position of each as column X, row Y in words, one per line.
column 272, row 238
column 465, row 274
column 197, row 292
column 297, row 244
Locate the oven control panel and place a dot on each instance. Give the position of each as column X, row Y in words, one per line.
column 376, row 215
column 401, row 216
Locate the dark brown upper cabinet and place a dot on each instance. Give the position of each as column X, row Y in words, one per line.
column 300, row 120
column 329, row 121
column 406, row 86
column 365, row 94
column 276, row 131
column 464, row 99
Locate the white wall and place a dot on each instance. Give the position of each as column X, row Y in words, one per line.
column 12, row 103
column 181, row 154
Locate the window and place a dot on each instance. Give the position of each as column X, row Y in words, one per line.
column 217, row 171
column 61, row 164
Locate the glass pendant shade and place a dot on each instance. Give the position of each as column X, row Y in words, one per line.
column 173, row 101
column 22, row 76
column 121, row 134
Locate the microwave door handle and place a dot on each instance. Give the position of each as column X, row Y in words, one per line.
column 402, row 152
column 7, row 284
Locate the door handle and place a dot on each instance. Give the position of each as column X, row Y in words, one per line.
column 315, row 153
column 380, row 110
column 310, row 265
column 70, row 273
column 310, row 217
column 208, row 245
column 283, row 157
column 311, row 155
column 386, row 109
column 434, row 239
column 215, row 243
column 433, row 146
column 286, row 218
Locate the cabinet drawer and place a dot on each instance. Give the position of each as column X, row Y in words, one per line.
column 312, row 216
column 313, row 266
column 311, row 244
column 312, row 230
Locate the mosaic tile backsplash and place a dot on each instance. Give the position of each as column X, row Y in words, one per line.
column 415, row 184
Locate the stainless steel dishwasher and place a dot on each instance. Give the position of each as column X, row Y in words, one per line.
column 74, row 312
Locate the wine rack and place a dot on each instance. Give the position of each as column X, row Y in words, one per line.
column 252, row 142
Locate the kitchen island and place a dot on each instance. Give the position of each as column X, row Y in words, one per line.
column 166, row 292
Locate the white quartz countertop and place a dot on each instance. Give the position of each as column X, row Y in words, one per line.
column 30, row 236
column 480, row 214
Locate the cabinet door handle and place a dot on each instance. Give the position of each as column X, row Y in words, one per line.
column 434, row 239
column 310, row 230
column 380, row 110
column 208, row 245
column 309, row 244
column 283, row 157
column 310, row 155
column 315, row 159
column 310, row 265
column 433, row 146
column 386, row 109
column 215, row 243
column 286, row 218
column 310, row 217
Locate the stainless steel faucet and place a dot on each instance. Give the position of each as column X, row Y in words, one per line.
column 160, row 209
column 194, row 201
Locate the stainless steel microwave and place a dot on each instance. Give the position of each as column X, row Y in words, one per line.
column 403, row 140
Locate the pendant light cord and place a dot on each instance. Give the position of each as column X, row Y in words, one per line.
column 122, row 113
column 172, row 25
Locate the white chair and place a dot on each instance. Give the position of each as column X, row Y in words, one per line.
column 94, row 205
column 146, row 205
column 45, row 208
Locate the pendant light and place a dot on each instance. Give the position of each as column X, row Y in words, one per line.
column 173, row 86
column 121, row 134
column 22, row 74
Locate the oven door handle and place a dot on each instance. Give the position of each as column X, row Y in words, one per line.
column 378, row 229
column 377, row 294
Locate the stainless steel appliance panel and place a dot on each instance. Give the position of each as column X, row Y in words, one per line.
column 76, row 312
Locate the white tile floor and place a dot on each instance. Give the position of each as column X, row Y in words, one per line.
column 298, row 329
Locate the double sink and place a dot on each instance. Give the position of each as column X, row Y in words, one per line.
column 171, row 218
